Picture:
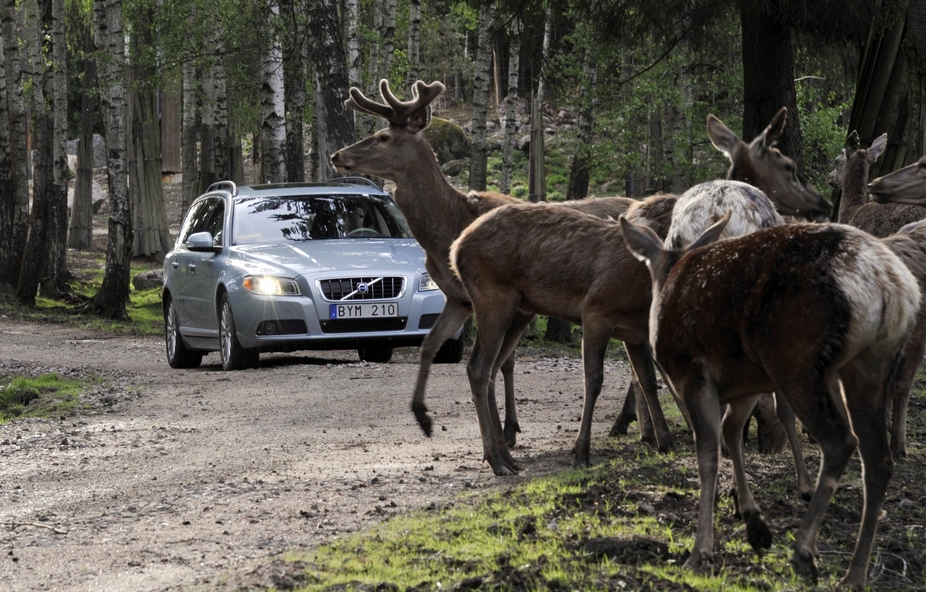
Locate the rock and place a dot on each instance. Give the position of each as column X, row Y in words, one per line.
column 99, row 151
column 453, row 168
column 906, row 504
column 447, row 140
column 524, row 143
column 153, row 278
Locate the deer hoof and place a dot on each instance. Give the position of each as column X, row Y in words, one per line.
column 757, row 532
column 697, row 560
column 804, row 565
column 421, row 416
column 511, row 435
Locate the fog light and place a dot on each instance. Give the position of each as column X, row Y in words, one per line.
column 270, row 328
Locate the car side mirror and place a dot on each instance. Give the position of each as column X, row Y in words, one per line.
column 202, row 242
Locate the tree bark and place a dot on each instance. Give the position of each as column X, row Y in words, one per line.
column 294, row 85
column 511, row 103
column 146, row 194
column 81, row 225
column 58, row 284
column 7, row 187
column 273, row 114
column 545, row 53
column 351, row 20
column 190, row 134
column 109, row 301
column 479, row 160
column 335, row 125
column 389, row 8
column 414, row 42
column 768, row 78
column 15, row 205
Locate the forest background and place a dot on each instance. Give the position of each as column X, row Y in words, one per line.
column 196, row 87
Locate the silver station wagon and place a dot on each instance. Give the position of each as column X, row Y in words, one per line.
column 296, row 266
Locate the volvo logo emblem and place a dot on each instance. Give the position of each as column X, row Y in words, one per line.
column 363, row 287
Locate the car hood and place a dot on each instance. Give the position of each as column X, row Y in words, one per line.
column 325, row 255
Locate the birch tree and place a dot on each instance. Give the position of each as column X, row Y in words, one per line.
column 388, row 35
column 294, row 88
column 351, row 21
column 189, row 135
column 14, row 206
column 414, row 43
column 109, row 301
column 7, row 187
column 272, row 112
column 545, row 53
column 511, row 104
column 479, row 160
column 80, row 235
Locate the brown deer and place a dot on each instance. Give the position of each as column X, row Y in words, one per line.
column 903, row 186
column 437, row 213
column 761, row 164
column 817, row 312
column 851, row 176
column 522, row 260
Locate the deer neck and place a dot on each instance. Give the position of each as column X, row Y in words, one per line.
column 854, row 185
column 436, row 212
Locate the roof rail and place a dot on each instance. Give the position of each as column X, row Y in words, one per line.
column 228, row 185
column 356, row 180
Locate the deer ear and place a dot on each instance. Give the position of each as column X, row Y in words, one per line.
column 641, row 241
column 711, row 234
column 721, row 136
column 420, row 119
column 772, row 131
column 877, row 148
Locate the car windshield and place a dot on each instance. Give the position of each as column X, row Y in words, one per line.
column 275, row 219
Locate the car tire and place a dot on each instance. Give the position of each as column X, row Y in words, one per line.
column 178, row 355
column 451, row 352
column 234, row 356
column 379, row 355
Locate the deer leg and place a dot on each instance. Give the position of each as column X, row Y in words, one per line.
column 506, row 364
column 805, row 484
column 701, row 398
column 594, row 346
column 645, row 371
column 493, row 324
column 628, row 412
column 451, row 318
column 814, row 402
column 866, row 401
column 734, row 420
column 899, row 395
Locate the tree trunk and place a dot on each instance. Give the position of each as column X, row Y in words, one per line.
column 146, row 194
column 479, row 160
column 351, row 20
column 15, row 205
column 768, row 78
column 190, row 134
column 915, row 52
column 414, row 42
column 273, row 114
column 388, row 33
column 38, row 23
column 335, row 123
column 545, row 53
column 511, row 103
column 109, row 301
column 58, row 284
column 81, row 226
column 294, row 84
column 218, row 95
column 7, row 187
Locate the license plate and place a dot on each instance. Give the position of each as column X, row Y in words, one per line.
column 363, row 311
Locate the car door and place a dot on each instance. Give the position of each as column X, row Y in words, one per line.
column 186, row 291
column 202, row 274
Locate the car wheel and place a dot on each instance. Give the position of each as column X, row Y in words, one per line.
column 451, row 352
column 178, row 356
column 234, row 356
column 380, row 355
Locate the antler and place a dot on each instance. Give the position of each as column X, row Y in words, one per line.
column 396, row 111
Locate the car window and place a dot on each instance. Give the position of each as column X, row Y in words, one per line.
column 207, row 215
column 317, row 217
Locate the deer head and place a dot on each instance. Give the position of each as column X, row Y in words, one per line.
column 761, row 164
column 401, row 146
column 853, row 143
column 904, row 186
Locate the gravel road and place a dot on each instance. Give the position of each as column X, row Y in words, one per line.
column 202, row 479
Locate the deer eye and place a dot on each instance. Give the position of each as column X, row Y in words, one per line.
column 383, row 138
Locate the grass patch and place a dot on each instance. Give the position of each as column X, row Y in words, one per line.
column 48, row 395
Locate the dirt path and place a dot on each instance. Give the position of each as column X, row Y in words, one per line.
column 200, row 479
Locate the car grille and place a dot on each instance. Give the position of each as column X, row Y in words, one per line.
column 364, row 325
column 386, row 287
column 427, row 321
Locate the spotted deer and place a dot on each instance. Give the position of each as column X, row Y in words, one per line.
column 817, row 312
column 437, row 213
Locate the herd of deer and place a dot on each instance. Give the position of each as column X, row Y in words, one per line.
column 825, row 316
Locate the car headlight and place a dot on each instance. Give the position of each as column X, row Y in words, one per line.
column 426, row 284
column 271, row 286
